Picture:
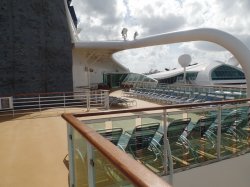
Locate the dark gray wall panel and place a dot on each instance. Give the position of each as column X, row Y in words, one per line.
column 35, row 47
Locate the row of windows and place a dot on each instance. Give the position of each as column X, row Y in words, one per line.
column 113, row 80
column 223, row 72
column 133, row 77
column 227, row 73
column 171, row 80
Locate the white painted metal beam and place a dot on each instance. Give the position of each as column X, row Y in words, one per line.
column 226, row 40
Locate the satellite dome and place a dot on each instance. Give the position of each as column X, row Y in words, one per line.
column 233, row 61
column 184, row 60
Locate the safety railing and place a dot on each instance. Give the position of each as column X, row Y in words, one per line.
column 197, row 134
column 238, row 90
column 27, row 103
column 94, row 161
column 183, row 94
column 140, row 84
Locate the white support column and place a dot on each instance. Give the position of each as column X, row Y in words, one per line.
column 184, row 76
column 106, row 99
column 64, row 101
column 88, row 77
column 12, row 106
column 168, row 161
column 39, row 102
column 88, row 99
column 91, row 165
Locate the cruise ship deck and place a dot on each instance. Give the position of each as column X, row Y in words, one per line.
column 32, row 151
column 56, row 128
column 34, row 147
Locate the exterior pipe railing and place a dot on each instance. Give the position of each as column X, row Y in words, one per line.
column 26, row 103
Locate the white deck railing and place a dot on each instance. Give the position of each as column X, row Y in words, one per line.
column 27, row 103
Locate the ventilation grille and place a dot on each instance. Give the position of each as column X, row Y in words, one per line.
column 6, row 103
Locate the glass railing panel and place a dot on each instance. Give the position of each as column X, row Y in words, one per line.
column 79, row 160
column 234, row 134
column 153, row 118
column 241, row 129
column 127, row 124
column 137, row 139
column 171, row 116
column 230, row 117
column 106, row 173
column 154, row 158
column 111, row 127
column 177, row 124
column 212, row 133
column 246, row 128
column 200, row 143
column 97, row 124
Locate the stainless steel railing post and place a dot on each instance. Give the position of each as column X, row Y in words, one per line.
column 165, row 161
column 88, row 100
column 218, row 142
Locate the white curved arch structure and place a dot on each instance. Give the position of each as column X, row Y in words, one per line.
column 229, row 42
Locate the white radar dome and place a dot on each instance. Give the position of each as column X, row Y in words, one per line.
column 233, row 61
column 184, row 60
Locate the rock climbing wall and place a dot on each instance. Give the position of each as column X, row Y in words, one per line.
column 35, row 47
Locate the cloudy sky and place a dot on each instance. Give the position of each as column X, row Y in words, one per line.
column 104, row 20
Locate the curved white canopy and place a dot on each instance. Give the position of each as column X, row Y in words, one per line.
column 229, row 42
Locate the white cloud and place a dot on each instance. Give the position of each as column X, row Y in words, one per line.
column 104, row 20
column 169, row 23
column 144, row 59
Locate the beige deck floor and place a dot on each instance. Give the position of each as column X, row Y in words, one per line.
column 140, row 103
column 32, row 149
column 32, row 152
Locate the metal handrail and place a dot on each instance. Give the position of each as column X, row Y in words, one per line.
column 134, row 171
column 177, row 106
column 40, row 101
column 216, row 87
column 136, row 112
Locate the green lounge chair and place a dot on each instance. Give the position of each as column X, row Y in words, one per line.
column 196, row 140
column 140, row 138
column 201, row 126
column 112, row 135
column 229, row 136
column 175, row 131
column 140, row 144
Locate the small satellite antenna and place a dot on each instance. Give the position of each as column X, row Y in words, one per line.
column 184, row 61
